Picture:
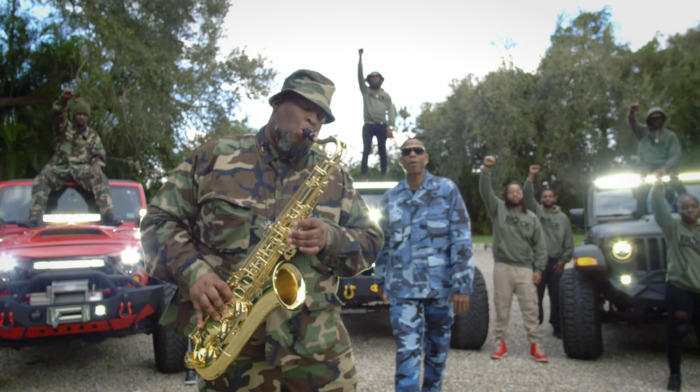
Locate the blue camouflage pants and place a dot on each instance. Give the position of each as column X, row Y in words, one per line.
column 421, row 325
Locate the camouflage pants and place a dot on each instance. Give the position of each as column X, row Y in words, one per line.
column 53, row 177
column 248, row 374
column 416, row 323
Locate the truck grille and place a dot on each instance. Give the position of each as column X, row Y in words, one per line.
column 650, row 253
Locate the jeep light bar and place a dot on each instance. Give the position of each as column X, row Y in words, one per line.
column 632, row 180
column 68, row 264
column 71, row 218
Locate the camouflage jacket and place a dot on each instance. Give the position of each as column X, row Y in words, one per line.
column 216, row 206
column 428, row 252
column 72, row 147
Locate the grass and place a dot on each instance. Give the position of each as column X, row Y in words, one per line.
column 487, row 239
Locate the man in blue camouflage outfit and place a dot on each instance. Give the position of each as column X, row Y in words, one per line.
column 217, row 206
column 426, row 268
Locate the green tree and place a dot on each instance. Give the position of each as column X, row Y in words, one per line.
column 152, row 70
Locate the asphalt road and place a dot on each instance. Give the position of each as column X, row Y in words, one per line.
column 634, row 360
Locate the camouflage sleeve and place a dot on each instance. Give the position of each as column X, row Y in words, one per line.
column 380, row 264
column 354, row 243
column 461, row 253
column 166, row 230
column 97, row 151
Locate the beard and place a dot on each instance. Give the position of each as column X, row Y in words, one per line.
column 375, row 86
column 510, row 204
column 286, row 149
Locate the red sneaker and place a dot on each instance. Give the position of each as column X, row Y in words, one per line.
column 537, row 353
column 500, row 351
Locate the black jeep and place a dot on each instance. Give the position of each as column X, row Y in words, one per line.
column 619, row 271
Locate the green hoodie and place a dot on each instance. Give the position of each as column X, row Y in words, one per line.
column 682, row 243
column 517, row 235
column 378, row 107
column 555, row 226
column 655, row 148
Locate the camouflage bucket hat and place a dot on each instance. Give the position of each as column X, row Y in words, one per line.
column 79, row 105
column 313, row 86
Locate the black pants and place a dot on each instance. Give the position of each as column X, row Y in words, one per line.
column 550, row 280
column 368, row 132
column 683, row 308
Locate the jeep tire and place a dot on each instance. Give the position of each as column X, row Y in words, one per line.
column 169, row 346
column 580, row 316
column 470, row 328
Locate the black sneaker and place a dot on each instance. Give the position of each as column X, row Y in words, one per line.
column 674, row 382
column 33, row 221
column 190, row 377
column 110, row 220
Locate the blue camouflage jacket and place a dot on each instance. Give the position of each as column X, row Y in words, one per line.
column 428, row 244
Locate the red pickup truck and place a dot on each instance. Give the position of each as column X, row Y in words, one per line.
column 74, row 278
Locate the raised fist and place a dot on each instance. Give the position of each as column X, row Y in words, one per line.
column 534, row 169
column 489, row 160
column 66, row 95
column 633, row 108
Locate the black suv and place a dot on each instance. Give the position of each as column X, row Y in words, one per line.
column 619, row 271
column 359, row 293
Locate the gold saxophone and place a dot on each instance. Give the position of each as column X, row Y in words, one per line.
column 218, row 343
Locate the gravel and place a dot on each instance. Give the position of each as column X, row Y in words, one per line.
column 634, row 360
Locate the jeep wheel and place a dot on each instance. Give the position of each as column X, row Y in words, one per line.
column 580, row 316
column 470, row 328
column 169, row 347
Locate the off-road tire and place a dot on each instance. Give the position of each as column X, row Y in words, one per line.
column 580, row 316
column 169, row 347
column 470, row 328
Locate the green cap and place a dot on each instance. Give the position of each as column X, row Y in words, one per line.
column 313, row 86
column 79, row 105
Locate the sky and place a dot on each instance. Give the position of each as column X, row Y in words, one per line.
column 419, row 47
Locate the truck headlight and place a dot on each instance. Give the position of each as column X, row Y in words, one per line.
column 375, row 214
column 7, row 263
column 130, row 256
column 622, row 250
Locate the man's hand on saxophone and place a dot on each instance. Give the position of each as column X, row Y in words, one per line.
column 309, row 236
column 209, row 294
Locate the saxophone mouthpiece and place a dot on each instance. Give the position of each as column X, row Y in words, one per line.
column 309, row 134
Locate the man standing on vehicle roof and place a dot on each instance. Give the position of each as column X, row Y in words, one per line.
column 426, row 268
column 78, row 156
column 560, row 245
column 379, row 115
column 658, row 151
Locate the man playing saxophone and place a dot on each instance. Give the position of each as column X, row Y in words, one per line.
column 219, row 203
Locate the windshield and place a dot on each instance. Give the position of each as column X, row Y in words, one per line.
column 15, row 200
column 621, row 202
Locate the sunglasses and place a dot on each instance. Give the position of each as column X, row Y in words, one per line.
column 407, row 151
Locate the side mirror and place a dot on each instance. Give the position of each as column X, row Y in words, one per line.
column 576, row 217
